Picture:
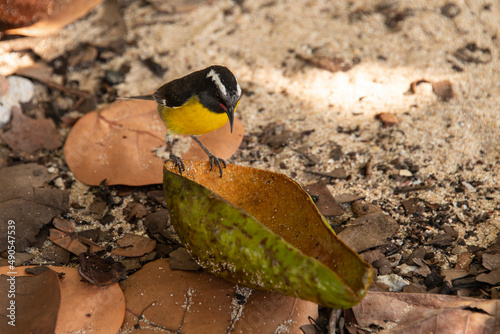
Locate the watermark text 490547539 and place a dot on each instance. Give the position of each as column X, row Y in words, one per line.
column 11, row 278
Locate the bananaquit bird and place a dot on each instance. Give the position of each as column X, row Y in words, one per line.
column 198, row 103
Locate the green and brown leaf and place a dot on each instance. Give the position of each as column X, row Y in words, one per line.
column 261, row 229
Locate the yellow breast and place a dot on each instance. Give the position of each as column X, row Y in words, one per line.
column 191, row 119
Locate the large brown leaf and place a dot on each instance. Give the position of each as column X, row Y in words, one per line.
column 197, row 302
column 36, row 301
column 410, row 313
column 83, row 307
column 116, row 143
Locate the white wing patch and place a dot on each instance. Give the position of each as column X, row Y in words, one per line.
column 216, row 79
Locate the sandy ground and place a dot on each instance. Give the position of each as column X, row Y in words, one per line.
column 451, row 141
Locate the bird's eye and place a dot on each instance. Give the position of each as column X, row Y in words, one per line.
column 217, row 95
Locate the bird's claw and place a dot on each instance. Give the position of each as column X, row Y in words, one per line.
column 218, row 161
column 178, row 161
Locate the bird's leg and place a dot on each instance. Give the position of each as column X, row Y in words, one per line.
column 212, row 158
column 177, row 160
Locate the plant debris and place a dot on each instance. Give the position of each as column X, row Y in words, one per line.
column 24, row 134
column 100, row 271
column 324, row 200
column 432, row 65
column 131, row 245
column 26, row 202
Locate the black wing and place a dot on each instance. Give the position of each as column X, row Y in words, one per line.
column 177, row 92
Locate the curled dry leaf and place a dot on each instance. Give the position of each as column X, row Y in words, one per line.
column 83, row 307
column 43, row 17
column 132, row 245
column 100, row 271
column 262, row 230
column 197, row 302
column 129, row 131
column 427, row 313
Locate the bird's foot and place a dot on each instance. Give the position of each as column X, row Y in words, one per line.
column 178, row 161
column 217, row 161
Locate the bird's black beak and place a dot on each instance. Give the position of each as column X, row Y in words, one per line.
column 230, row 115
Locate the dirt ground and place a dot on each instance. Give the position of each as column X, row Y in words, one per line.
column 404, row 96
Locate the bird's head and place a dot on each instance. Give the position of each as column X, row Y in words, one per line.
column 222, row 93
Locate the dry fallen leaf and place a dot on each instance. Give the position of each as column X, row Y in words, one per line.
column 197, row 302
column 25, row 204
column 132, row 245
column 66, row 237
column 83, row 308
column 410, row 313
column 387, row 118
column 25, row 134
column 130, row 131
column 325, row 201
column 21, row 179
column 180, row 259
column 369, row 231
column 37, row 301
column 100, row 271
column 43, row 17
column 67, row 242
column 493, row 277
column 491, row 261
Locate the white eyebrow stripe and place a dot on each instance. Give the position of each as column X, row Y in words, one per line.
column 239, row 89
column 216, row 79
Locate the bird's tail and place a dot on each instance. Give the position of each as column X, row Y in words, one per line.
column 144, row 97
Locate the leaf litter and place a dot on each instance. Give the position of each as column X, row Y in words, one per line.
column 76, row 308
column 37, row 302
column 26, row 201
column 364, row 146
column 426, row 313
column 132, row 131
column 173, row 300
column 262, row 244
